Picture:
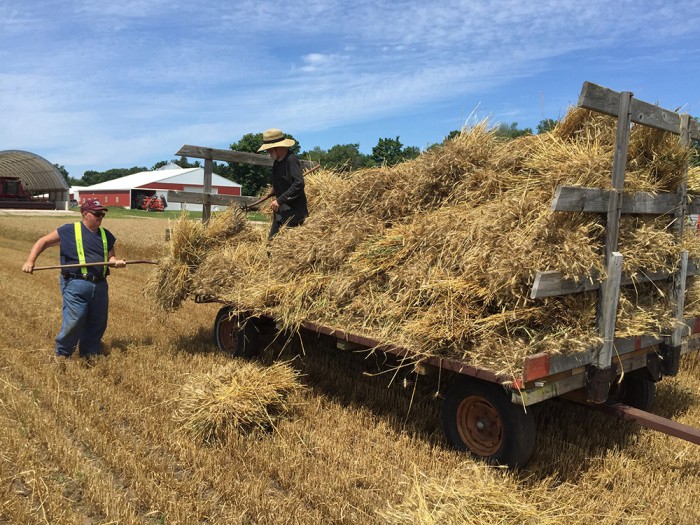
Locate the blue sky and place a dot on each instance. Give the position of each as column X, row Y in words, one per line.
column 94, row 85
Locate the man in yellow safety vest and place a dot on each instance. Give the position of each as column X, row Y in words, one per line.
column 84, row 290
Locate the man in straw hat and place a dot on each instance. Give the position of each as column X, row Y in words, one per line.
column 289, row 203
column 84, row 289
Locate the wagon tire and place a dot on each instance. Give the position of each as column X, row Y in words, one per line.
column 228, row 331
column 636, row 389
column 479, row 417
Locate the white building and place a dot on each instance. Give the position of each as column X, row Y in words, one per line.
column 128, row 191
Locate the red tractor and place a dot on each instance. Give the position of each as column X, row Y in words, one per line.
column 14, row 194
column 13, row 188
column 152, row 203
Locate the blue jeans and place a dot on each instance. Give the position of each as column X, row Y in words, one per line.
column 85, row 306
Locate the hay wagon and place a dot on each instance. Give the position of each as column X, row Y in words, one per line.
column 485, row 412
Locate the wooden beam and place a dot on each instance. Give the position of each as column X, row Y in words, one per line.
column 227, row 155
column 622, row 138
column 607, row 101
column 213, row 199
column 677, row 291
column 603, row 357
column 576, row 198
column 552, row 284
column 206, row 207
column 629, row 351
column 612, row 234
column 678, row 299
column 567, row 373
column 595, row 200
column 548, row 390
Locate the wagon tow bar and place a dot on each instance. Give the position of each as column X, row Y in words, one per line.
column 649, row 420
column 65, row 266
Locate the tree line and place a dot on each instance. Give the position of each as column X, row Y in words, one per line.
column 341, row 157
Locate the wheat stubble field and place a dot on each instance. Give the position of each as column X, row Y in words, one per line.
column 99, row 443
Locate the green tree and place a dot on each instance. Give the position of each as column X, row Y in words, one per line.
column 91, row 177
column 159, row 164
column 182, row 162
column 252, row 178
column 69, row 180
column 411, row 152
column 546, row 125
column 347, row 157
column 452, row 134
column 511, row 131
column 391, row 152
column 317, row 154
column 341, row 157
column 63, row 171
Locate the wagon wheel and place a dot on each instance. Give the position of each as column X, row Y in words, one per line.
column 480, row 418
column 227, row 331
column 239, row 335
column 235, row 334
column 636, row 390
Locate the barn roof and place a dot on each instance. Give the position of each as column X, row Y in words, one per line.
column 37, row 173
column 194, row 176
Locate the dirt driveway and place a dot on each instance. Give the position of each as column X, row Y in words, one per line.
column 38, row 213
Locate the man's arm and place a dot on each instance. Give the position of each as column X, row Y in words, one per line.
column 52, row 239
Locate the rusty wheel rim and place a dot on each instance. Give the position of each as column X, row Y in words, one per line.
column 480, row 426
column 228, row 334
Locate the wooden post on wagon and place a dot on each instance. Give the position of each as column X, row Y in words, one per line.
column 601, row 374
column 208, row 169
column 672, row 349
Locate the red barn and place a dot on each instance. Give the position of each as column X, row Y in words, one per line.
column 129, row 191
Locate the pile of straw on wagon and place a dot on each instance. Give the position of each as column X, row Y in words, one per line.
column 438, row 254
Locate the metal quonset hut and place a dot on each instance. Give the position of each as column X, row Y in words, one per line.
column 127, row 191
column 38, row 175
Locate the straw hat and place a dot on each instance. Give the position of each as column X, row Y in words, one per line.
column 274, row 138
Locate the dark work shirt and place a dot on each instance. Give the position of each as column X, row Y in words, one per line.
column 92, row 245
column 288, row 185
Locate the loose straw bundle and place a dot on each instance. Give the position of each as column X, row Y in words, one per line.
column 236, row 399
column 475, row 494
column 190, row 243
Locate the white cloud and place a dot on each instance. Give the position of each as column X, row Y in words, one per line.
column 97, row 81
column 322, row 63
